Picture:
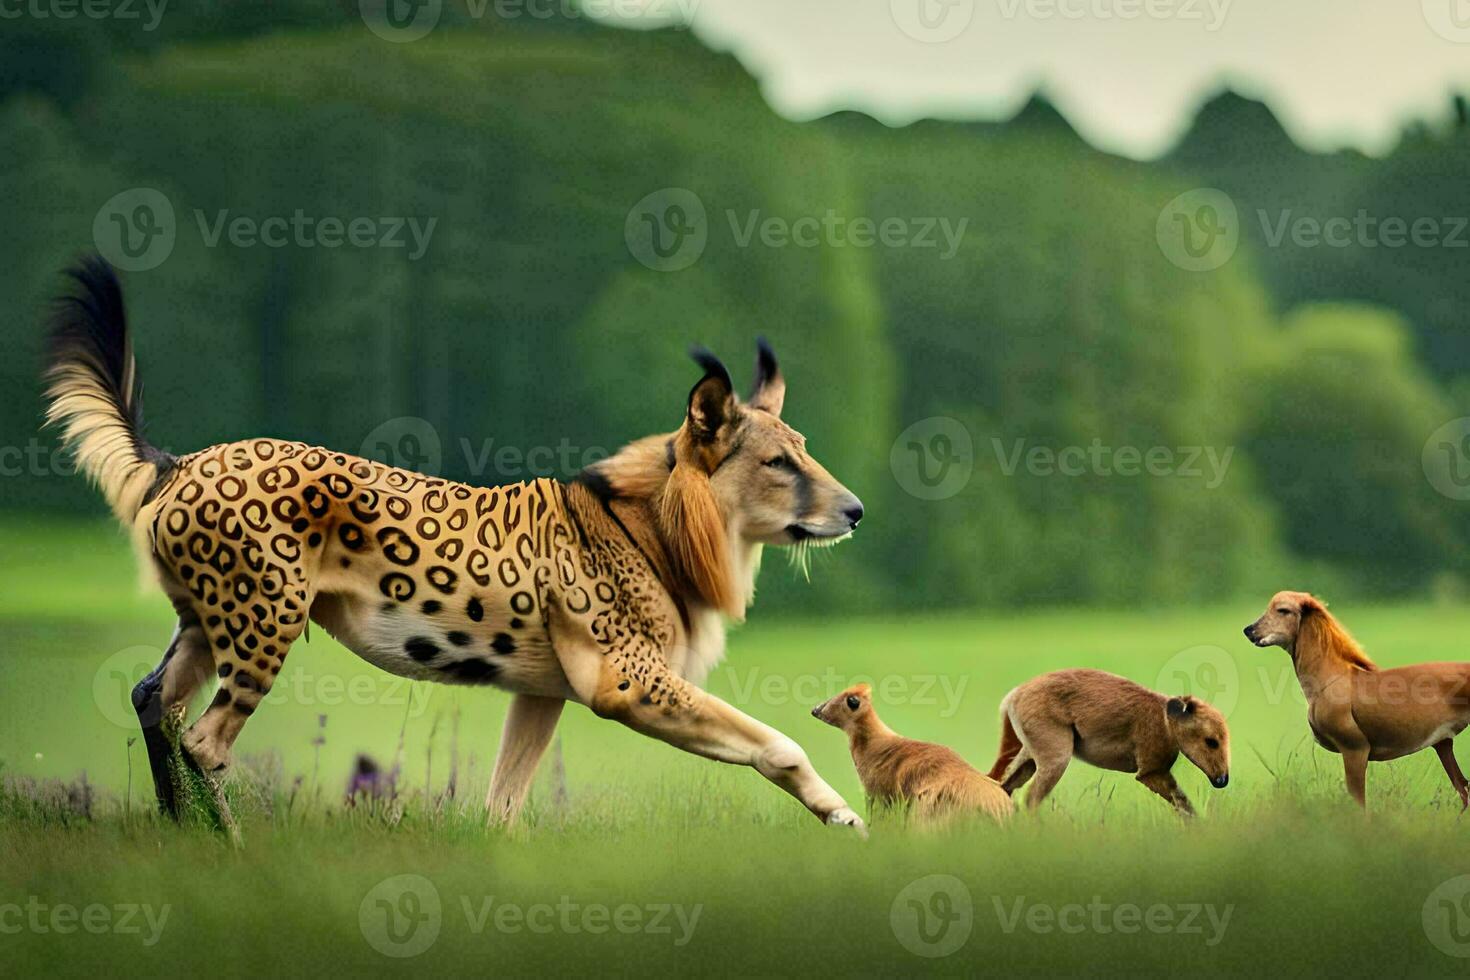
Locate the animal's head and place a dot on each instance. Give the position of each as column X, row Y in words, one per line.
column 1202, row 735
column 732, row 478
column 847, row 710
column 1281, row 623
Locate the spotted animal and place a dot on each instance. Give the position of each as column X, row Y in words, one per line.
column 612, row 590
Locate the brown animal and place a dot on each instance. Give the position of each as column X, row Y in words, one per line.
column 1358, row 710
column 930, row 778
column 1110, row 722
column 612, row 590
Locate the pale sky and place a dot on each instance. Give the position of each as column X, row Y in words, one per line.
column 1336, row 72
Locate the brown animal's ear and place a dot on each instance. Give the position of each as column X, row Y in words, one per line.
column 863, row 689
column 769, row 391
column 1181, row 707
column 1311, row 603
column 711, row 401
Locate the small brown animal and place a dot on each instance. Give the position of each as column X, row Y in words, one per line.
column 1356, row 709
column 932, row 779
column 1110, row 722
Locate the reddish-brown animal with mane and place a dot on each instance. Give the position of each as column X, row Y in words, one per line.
column 930, row 778
column 1355, row 708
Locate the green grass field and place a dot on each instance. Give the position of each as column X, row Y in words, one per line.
column 657, row 861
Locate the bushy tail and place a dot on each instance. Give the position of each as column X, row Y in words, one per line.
column 92, row 391
column 1010, row 743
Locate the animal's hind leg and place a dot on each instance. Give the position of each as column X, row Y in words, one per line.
column 1445, row 748
column 1050, row 751
column 186, row 665
column 249, row 643
column 1022, row 769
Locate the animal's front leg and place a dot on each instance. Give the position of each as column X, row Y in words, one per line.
column 672, row 710
column 1445, row 748
column 1355, row 769
column 529, row 726
column 1163, row 783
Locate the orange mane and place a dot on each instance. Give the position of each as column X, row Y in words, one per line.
column 1321, row 631
column 681, row 506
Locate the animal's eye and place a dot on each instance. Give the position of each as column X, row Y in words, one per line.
column 1284, row 611
column 776, row 462
column 1213, row 743
column 853, row 702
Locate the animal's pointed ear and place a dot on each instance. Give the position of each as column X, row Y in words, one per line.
column 712, row 401
column 1181, row 707
column 1311, row 603
column 769, row 391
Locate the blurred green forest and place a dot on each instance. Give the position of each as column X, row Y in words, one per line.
column 1318, row 373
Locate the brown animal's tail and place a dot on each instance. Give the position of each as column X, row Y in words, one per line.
column 1010, row 744
column 92, row 391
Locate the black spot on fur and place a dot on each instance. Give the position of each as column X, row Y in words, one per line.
column 516, row 622
column 221, row 698
column 225, row 670
column 431, row 606
column 474, row 610
column 472, row 671
column 458, row 638
column 421, row 649
column 314, row 540
column 503, row 643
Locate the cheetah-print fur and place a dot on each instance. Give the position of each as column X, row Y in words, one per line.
column 427, row 578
